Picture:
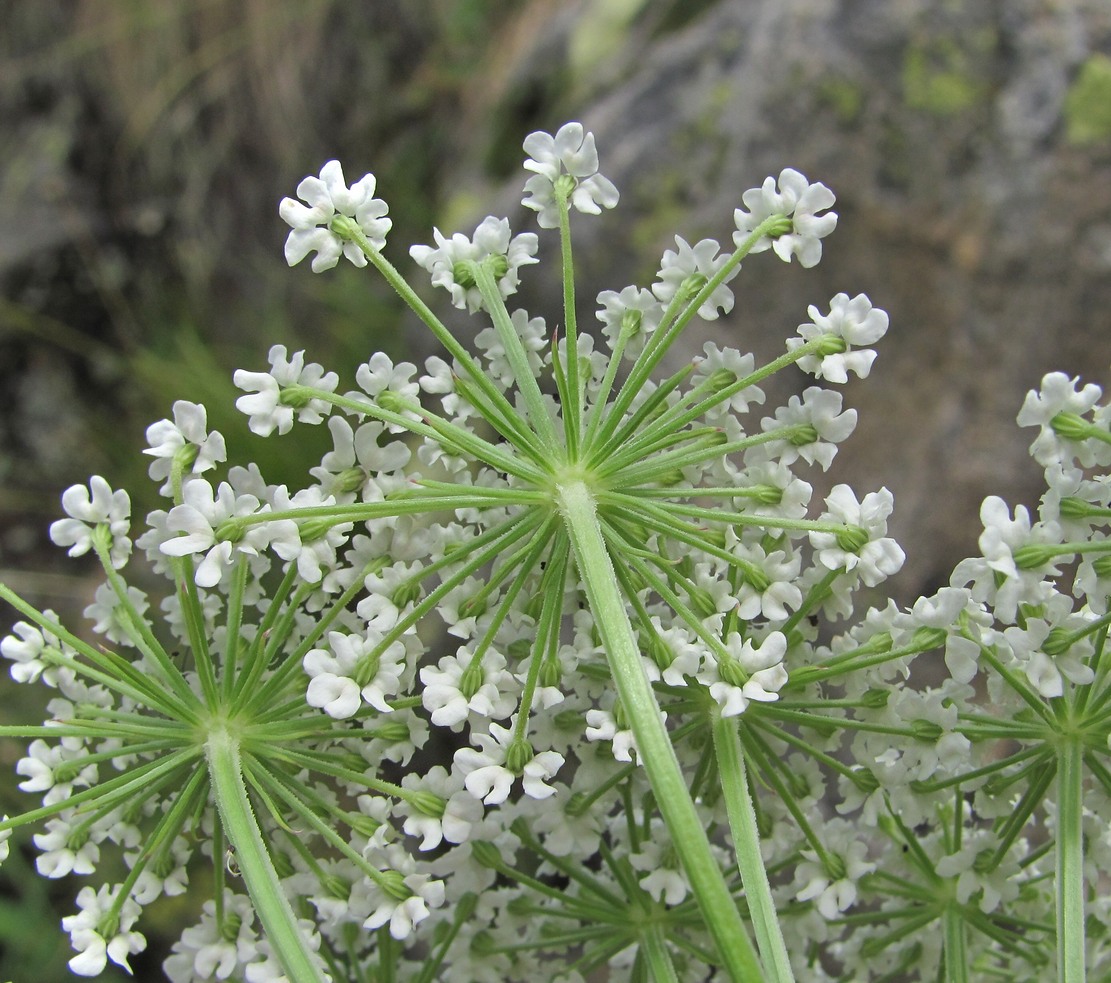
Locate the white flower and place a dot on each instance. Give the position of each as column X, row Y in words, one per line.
column 315, row 551
column 533, row 334
column 875, row 559
column 332, row 685
column 741, row 365
column 204, row 951
column 201, row 515
column 796, row 199
column 999, row 882
column 106, row 611
column 486, row 777
column 1058, row 394
column 662, row 878
column 380, row 375
column 462, row 811
column 42, row 764
column 694, row 265
column 855, row 321
column 818, row 408
column 186, row 437
column 60, row 856
column 86, row 927
column 833, row 896
column 447, row 263
column 264, row 404
column 26, row 650
column 103, row 507
column 642, row 310
column 762, row 664
column 570, row 152
column 449, row 706
column 770, row 585
column 601, row 725
column 327, row 196
column 404, row 915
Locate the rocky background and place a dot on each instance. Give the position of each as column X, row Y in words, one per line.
column 145, row 146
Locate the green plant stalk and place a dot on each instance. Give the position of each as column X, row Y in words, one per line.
column 1070, row 862
column 572, row 412
column 577, row 505
column 660, row 966
column 746, row 842
column 517, row 357
column 239, row 823
column 956, row 946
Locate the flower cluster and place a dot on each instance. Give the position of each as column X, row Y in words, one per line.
column 612, row 600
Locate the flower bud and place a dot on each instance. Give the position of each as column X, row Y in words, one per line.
column 564, row 185
column 926, row 731
column 756, row 578
column 689, row 288
column 391, row 731
column 405, row 594
column 802, row 434
column 391, row 401
column 577, row 806
column 345, row 227
column 852, row 539
column 349, row 480
column 392, row 884
column 835, row 866
column 472, row 679
column 929, row 638
column 875, row 699
column 766, row 494
column 473, row 607
column 657, row 651
column 551, row 672
column 517, row 755
column 1034, row 555
column 486, row 854
column 1071, row 426
column 427, row 803
column 297, row 397
column 731, row 672
column 864, row 779
column 1057, row 642
column 229, row 531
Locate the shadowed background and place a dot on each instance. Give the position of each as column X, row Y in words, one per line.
column 145, row 145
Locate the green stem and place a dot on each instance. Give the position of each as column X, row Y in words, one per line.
column 746, row 842
column 239, row 823
column 517, row 357
column 435, row 325
column 573, row 410
column 654, row 748
column 1070, row 862
column 654, row 947
column 956, row 948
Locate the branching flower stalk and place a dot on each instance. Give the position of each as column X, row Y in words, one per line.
column 654, row 757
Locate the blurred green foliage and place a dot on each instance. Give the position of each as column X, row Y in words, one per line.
column 1088, row 103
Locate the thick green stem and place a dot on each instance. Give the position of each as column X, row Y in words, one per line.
column 956, row 946
column 746, row 842
column 1070, row 862
column 239, row 824
column 654, row 748
column 654, row 947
